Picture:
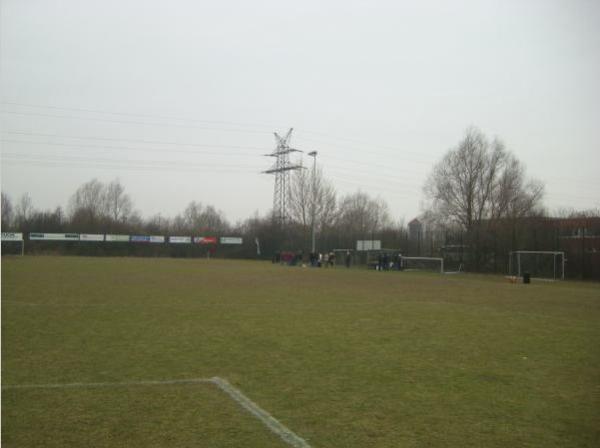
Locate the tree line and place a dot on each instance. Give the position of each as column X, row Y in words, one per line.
column 97, row 207
column 477, row 198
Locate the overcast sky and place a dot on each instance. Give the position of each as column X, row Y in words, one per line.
column 180, row 99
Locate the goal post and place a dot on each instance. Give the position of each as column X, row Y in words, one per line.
column 423, row 264
column 541, row 264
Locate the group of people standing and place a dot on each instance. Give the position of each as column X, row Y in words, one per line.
column 317, row 259
column 385, row 262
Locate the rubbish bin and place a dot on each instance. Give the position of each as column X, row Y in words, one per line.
column 526, row 277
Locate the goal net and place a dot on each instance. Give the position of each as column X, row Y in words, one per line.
column 547, row 265
column 431, row 264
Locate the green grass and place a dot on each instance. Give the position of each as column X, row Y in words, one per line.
column 145, row 416
column 342, row 357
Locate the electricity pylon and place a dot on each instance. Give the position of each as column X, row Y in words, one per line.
column 281, row 168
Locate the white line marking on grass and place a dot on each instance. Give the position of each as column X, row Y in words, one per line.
column 109, row 384
column 267, row 419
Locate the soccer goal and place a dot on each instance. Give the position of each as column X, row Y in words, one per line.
column 547, row 265
column 423, row 264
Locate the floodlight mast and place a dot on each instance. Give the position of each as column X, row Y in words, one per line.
column 281, row 168
column 313, row 192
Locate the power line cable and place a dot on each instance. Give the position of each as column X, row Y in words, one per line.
column 299, row 131
column 112, row 166
column 130, row 114
column 142, row 123
column 152, row 142
column 127, row 148
column 161, row 163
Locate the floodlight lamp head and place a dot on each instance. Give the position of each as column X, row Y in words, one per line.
column 313, row 153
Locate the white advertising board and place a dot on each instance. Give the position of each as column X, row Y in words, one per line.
column 157, row 239
column 118, row 238
column 180, row 239
column 230, row 240
column 12, row 236
column 54, row 236
column 368, row 244
column 91, row 237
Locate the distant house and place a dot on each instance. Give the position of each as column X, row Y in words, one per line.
column 579, row 234
column 415, row 230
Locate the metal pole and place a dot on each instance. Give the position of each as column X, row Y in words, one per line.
column 313, row 154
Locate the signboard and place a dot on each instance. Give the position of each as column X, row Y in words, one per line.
column 230, row 240
column 118, row 238
column 368, row 244
column 147, row 239
column 91, row 237
column 12, row 236
column 140, row 239
column 180, row 239
column 205, row 239
column 54, row 236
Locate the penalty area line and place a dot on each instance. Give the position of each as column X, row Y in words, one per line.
column 268, row 420
column 235, row 394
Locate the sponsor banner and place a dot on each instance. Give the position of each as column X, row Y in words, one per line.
column 118, row 238
column 368, row 244
column 91, row 237
column 12, row 236
column 157, row 239
column 180, row 239
column 205, row 239
column 230, row 240
column 140, row 239
column 54, row 236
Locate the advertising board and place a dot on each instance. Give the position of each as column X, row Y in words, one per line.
column 91, row 237
column 54, row 236
column 368, row 244
column 140, row 239
column 157, row 239
column 180, row 239
column 230, row 240
column 117, row 238
column 12, row 236
column 205, row 239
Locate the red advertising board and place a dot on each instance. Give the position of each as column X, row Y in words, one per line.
column 205, row 239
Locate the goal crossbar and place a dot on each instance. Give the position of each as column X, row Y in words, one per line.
column 554, row 254
column 440, row 260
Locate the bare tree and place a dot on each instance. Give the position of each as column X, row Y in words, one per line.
column 157, row 224
column 7, row 212
column 24, row 210
column 360, row 216
column 197, row 218
column 299, row 197
column 480, row 181
column 482, row 188
column 118, row 203
column 88, row 205
column 311, row 197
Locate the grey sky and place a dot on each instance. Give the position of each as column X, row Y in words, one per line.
column 381, row 89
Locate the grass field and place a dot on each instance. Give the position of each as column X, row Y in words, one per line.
column 344, row 358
